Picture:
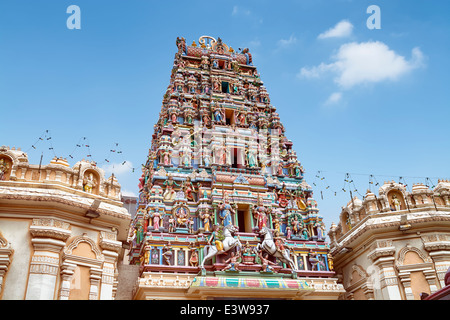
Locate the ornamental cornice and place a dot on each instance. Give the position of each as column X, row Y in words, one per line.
column 381, row 248
column 389, row 220
column 50, row 228
column 436, row 242
column 108, row 241
column 167, row 281
column 64, row 197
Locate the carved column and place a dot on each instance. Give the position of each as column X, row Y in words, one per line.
column 438, row 247
column 48, row 238
column 111, row 248
column 95, row 278
column 5, row 259
column 67, row 272
column 382, row 255
column 405, row 280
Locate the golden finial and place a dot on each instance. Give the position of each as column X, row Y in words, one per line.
column 193, row 44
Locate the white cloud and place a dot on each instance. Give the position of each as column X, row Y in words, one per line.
column 342, row 29
column 128, row 193
column 118, row 168
column 366, row 62
column 285, row 43
column 315, row 72
column 334, row 98
column 240, row 11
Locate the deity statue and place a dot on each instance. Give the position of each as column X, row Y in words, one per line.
column 156, row 216
column 188, row 188
column 251, row 158
column 168, row 253
column 139, row 233
column 171, row 224
column 206, row 119
column 305, row 234
column 181, row 45
column 216, row 239
column 169, row 193
column 395, row 203
column 232, row 262
column 219, row 115
column 147, row 249
column 201, row 193
column 193, row 260
column 248, row 254
column 182, row 214
column 221, row 154
column 206, row 218
column 205, row 62
column 295, row 224
column 186, row 157
column 89, row 183
column 299, row 197
column 166, row 157
column 190, row 224
column 281, row 196
column 265, row 262
column 280, row 169
column 319, row 226
column 313, row 259
column 4, row 167
column 225, row 211
column 298, row 170
column 260, row 215
column 279, row 242
column 330, row 262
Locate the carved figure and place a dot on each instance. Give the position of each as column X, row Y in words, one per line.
column 225, row 211
column 89, row 183
column 168, row 254
column 169, row 193
column 4, row 167
column 395, row 203
column 228, row 243
column 269, row 246
column 233, row 263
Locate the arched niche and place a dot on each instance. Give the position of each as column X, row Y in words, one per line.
column 346, row 222
column 85, row 260
column 91, row 181
column 415, row 269
column 6, row 164
column 358, row 284
column 396, row 200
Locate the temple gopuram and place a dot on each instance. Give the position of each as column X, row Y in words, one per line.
column 223, row 208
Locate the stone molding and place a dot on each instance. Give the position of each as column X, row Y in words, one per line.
column 50, row 228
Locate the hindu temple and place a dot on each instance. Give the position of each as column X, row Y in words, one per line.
column 224, row 210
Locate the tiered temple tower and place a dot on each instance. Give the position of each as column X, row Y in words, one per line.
column 223, row 207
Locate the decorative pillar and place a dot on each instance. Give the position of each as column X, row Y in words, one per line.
column 438, row 247
column 67, row 272
column 382, row 256
column 111, row 248
column 430, row 276
column 405, row 279
column 95, row 278
column 48, row 239
column 5, row 259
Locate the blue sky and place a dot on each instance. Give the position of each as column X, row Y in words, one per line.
column 353, row 100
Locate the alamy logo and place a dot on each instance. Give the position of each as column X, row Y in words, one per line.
column 74, row 20
column 374, row 21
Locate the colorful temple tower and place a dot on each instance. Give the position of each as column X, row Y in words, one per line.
column 223, row 207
